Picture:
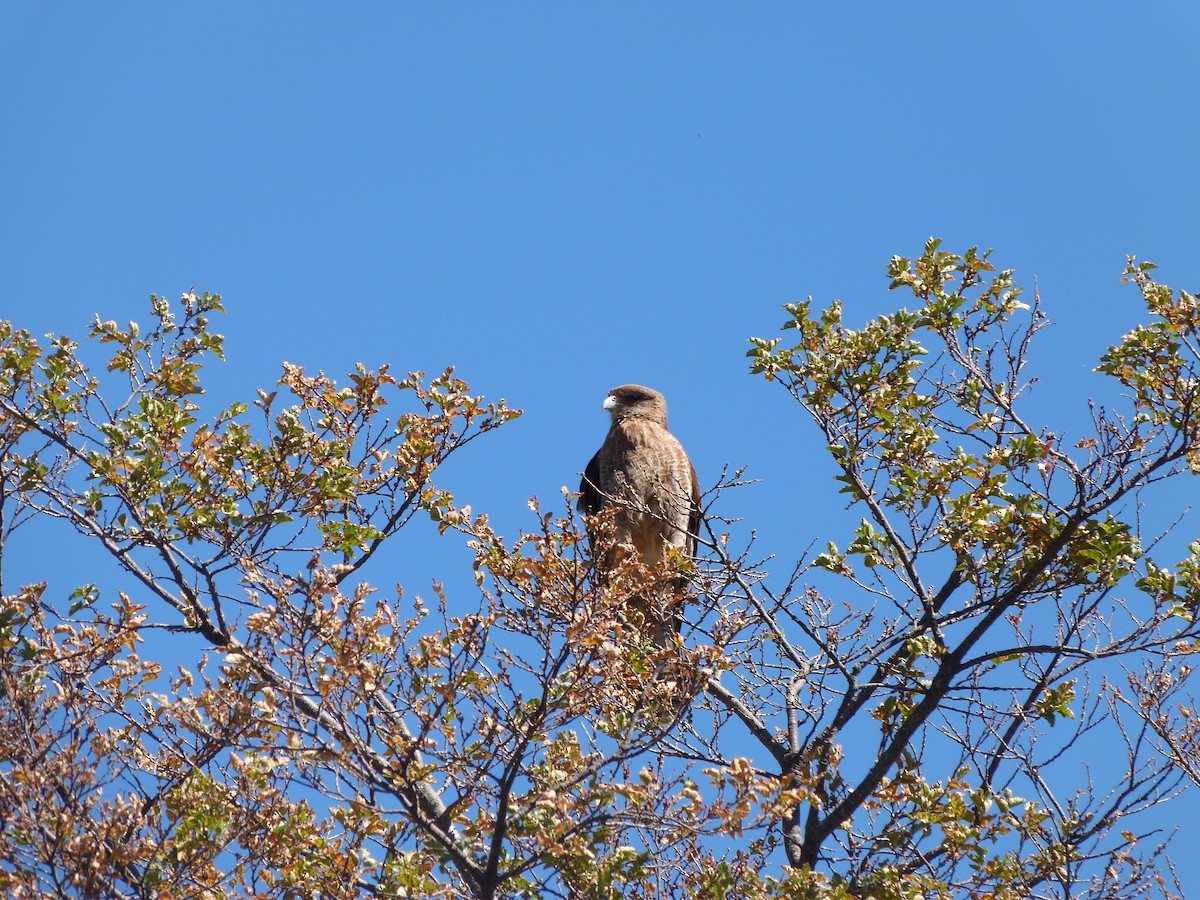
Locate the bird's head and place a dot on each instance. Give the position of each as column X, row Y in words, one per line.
column 634, row 401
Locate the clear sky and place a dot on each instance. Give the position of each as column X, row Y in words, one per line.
column 559, row 198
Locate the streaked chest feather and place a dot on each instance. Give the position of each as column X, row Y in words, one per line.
column 646, row 466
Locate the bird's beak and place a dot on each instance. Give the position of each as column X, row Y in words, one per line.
column 610, row 403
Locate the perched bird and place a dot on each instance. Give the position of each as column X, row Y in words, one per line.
column 643, row 471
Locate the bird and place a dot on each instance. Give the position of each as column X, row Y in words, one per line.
column 642, row 471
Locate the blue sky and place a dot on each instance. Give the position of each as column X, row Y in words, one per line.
column 560, row 198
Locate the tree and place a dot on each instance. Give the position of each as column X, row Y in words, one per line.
column 245, row 715
column 1001, row 587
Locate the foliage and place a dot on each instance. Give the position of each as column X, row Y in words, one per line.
column 245, row 716
column 1000, row 581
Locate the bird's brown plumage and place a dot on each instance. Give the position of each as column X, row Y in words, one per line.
column 642, row 470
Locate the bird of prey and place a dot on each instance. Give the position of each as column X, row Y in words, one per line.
column 641, row 469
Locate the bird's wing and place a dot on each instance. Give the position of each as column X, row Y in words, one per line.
column 590, row 497
column 695, row 514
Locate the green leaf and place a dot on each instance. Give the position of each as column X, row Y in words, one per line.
column 83, row 597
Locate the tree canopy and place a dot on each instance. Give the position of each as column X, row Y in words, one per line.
column 910, row 712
